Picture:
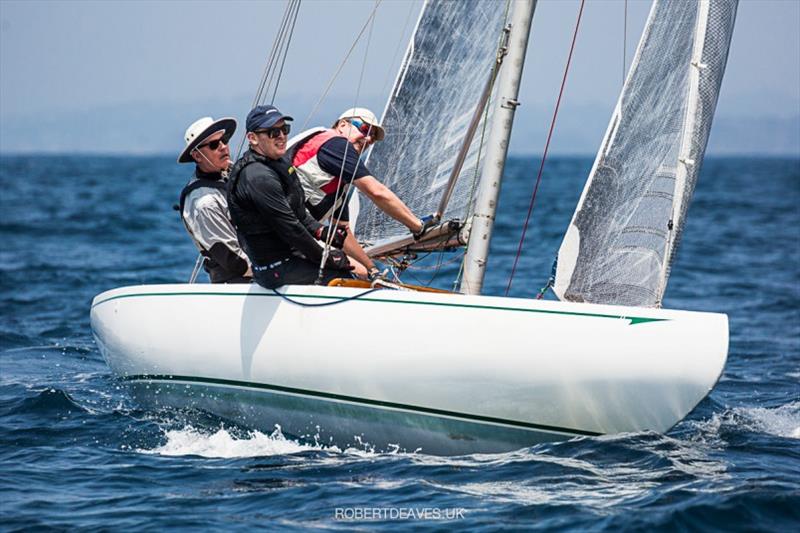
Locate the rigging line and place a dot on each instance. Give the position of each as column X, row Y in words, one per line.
column 351, row 188
column 418, row 281
column 341, row 66
column 281, row 52
column 268, row 68
column 286, row 51
column 198, row 264
column 397, row 49
column 414, row 266
column 440, row 262
column 336, row 214
column 546, row 147
column 335, row 302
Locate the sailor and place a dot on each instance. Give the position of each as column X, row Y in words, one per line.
column 328, row 161
column 268, row 209
column 203, row 202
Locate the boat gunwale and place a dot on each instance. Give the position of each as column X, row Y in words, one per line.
column 634, row 320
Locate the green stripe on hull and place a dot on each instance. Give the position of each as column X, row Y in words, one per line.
column 363, row 402
column 633, row 320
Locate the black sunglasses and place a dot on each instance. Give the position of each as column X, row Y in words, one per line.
column 274, row 133
column 215, row 144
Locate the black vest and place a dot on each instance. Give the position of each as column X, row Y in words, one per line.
column 245, row 217
column 216, row 272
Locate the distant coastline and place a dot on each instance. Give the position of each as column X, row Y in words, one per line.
column 153, row 128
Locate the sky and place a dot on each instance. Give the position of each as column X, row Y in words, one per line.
column 130, row 76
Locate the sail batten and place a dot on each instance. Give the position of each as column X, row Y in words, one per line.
column 643, row 178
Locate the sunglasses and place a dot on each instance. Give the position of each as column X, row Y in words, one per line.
column 213, row 145
column 361, row 126
column 274, row 133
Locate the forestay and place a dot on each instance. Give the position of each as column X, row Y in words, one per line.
column 447, row 64
column 622, row 237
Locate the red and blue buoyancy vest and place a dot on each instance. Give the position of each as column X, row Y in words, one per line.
column 317, row 184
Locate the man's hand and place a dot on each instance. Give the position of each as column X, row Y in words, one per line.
column 339, row 235
column 374, row 274
column 337, row 260
column 426, row 223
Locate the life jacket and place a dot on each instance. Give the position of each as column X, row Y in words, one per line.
column 215, row 271
column 317, row 184
column 197, row 184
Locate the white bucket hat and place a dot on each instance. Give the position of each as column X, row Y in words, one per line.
column 200, row 130
column 367, row 116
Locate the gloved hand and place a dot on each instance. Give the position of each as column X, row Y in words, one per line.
column 427, row 223
column 339, row 235
column 337, row 260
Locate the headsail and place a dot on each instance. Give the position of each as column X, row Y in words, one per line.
column 622, row 237
column 446, row 67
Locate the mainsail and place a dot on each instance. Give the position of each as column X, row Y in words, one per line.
column 622, row 238
column 446, row 67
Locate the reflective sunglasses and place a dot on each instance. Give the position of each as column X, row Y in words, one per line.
column 361, row 126
column 213, row 145
column 274, row 133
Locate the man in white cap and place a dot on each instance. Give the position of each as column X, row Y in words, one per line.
column 203, row 202
column 328, row 161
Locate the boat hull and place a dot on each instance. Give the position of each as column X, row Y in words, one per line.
column 447, row 374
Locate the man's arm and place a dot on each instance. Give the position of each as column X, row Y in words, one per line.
column 354, row 250
column 388, row 202
column 338, row 157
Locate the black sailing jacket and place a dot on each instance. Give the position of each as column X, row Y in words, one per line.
column 267, row 207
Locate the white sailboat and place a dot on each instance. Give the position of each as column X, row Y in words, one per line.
column 482, row 373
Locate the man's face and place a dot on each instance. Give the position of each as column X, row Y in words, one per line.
column 269, row 142
column 353, row 130
column 213, row 154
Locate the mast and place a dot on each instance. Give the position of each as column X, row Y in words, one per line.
column 497, row 147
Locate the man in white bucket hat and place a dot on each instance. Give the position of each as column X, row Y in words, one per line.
column 203, row 202
column 328, row 161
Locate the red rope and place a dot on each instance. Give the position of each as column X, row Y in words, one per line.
column 546, row 147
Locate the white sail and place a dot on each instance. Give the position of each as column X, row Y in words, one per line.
column 622, row 237
column 446, row 67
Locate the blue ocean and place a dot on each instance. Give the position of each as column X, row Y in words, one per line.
column 76, row 452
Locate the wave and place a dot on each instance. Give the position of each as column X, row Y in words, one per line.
column 781, row 421
column 226, row 444
column 47, row 402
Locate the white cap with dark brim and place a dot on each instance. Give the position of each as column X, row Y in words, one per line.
column 367, row 116
column 200, row 130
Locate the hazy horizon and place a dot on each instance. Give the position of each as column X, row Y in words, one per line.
column 129, row 77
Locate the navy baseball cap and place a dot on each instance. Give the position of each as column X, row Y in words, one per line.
column 264, row 116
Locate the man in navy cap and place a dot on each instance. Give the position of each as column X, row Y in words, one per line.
column 203, row 202
column 267, row 207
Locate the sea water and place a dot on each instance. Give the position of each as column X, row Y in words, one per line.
column 77, row 453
